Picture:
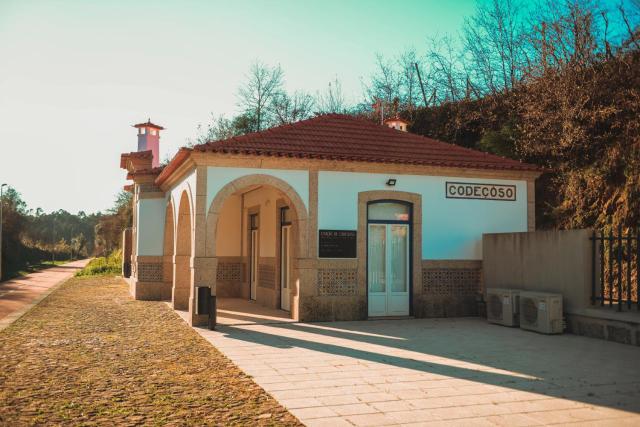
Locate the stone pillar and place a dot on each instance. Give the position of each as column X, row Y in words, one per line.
column 204, row 267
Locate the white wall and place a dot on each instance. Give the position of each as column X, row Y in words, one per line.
column 150, row 218
column 218, row 177
column 188, row 184
column 451, row 228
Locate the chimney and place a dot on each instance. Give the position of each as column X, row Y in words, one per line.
column 397, row 123
column 149, row 139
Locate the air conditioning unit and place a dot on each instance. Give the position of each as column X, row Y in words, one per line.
column 502, row 306
column 541, row 312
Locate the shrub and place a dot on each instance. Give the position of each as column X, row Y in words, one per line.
column 103, row 266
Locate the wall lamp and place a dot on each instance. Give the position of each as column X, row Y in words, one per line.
column 391, row 182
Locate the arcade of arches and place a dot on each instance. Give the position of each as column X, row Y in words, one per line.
column 253, row 231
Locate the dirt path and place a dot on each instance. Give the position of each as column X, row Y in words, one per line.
column 89, row 354
column 19, row 294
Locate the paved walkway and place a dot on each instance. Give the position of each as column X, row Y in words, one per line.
column 17, row 296
column 238, row 311
column 436, row 372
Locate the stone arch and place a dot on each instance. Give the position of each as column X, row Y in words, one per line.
column 302, row 217
column 183, row 271
column 168, row 251
column 300, row 223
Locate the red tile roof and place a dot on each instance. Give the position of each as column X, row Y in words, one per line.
column 347, row 138
column 138, row 157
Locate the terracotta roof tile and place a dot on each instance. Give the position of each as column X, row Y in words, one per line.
column 137, row 157
column 343, row 137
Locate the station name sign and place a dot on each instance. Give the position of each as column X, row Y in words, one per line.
column 470, row 190
column 337, row 244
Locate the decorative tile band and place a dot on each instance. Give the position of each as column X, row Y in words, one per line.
column 337, row 282
column 451, row 281
column 150, row 272
column 229, row 272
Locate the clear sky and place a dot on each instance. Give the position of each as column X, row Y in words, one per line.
column 75, row 75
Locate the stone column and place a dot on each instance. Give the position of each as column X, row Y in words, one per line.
column 204, row 267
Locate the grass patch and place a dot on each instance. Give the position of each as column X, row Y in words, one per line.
column 103, row 266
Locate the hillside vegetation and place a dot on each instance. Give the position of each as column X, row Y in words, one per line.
column 557, row 86
column 580, row 125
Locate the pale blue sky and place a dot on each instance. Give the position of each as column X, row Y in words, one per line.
column 76, row 74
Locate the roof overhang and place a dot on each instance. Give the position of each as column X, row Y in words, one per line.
column 136, row 160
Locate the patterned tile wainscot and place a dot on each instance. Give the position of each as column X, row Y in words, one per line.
column 150, row 272
column 337, row 282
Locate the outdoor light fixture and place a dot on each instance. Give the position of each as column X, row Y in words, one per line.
column 391, row 182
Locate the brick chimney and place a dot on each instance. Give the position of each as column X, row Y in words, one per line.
column 149, row 139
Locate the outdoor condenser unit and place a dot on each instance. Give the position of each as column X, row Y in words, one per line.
column 502, row 306
column 541, row 312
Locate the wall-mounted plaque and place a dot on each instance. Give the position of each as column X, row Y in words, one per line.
column 337, row 244
column 471, row 190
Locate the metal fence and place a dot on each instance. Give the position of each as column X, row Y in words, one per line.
column 615, row 278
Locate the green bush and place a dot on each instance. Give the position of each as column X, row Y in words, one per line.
column 103, row 266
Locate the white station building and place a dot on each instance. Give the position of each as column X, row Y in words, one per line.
column 331, row 218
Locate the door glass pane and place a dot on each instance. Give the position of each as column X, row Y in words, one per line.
column 389, row 211
column 399, row 255
column 377, row 259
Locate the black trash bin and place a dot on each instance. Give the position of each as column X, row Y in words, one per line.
column 206, row 305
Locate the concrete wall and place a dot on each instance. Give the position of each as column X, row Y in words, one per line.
column 546, row 261
column 451, row 228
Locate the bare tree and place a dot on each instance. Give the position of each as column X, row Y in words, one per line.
column 494, row 41
column 567, row 34
column 385, row 82
column 633, row 29
column 331, row 100
column 446, row 68
column 410, row 92
column 256, row 94
column 292, row 108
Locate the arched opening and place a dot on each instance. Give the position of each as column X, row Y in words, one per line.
column 256, row 228
column 168, row 252
column 182, row 268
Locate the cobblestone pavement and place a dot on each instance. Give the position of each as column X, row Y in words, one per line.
column 89, row 354
column 436, row 372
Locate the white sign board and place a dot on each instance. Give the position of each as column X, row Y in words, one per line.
column 479, row 191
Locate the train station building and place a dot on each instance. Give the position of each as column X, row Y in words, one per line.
column 330, row 218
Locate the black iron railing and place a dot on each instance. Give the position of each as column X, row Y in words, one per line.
column 615, row 268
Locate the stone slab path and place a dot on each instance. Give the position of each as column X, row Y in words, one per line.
column 18, row 295
column 436, row 372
